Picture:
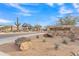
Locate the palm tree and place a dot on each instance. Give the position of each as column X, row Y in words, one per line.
column 26, row 27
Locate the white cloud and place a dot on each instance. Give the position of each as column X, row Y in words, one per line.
column 76, row 6
column 5, row 21
column 77, row 10
column 60, row 4
column 33, row 4
column 16, row 5
column 25, row 14
column 50, row 4
column 63, row 10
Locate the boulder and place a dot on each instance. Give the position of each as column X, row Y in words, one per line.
column 48, row 35
column 25, row 46
column 23, row 43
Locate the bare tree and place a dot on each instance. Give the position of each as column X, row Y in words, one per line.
column 67, row 20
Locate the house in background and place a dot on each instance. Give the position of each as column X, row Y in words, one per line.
column 59, row 28
column 8, row 28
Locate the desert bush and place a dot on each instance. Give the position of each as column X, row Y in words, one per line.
column 43, row 40
column 72, row 40
column 72, row 35
column 56, row 46
column 65, row 42
column 37, row 36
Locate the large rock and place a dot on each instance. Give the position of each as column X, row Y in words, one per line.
column 48, row 35
column 23, row 43
column 25, row 46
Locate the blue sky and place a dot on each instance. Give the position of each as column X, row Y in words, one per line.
column 35, row 13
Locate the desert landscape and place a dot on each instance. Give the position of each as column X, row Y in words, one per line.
column 43, row 45
column 41, row 29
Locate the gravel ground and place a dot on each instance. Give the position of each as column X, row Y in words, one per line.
column 40, row 48
column 12, row 39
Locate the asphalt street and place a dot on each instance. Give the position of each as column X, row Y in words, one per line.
column 14, row 34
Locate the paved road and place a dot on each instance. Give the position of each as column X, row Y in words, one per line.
column 14, row 34
column 12, row 37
